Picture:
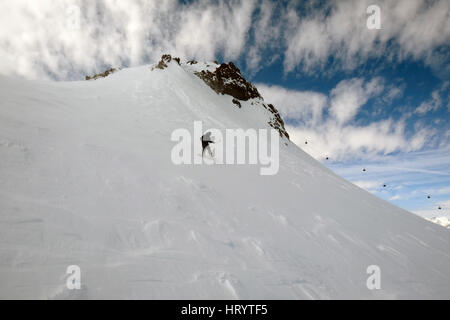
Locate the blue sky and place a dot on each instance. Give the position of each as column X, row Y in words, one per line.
column 410, row 176
column 366, row 98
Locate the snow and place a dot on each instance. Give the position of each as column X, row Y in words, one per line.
column 200, row 66
column 86, row 179
column 443, row 221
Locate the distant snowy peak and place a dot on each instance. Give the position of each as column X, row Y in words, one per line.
column 443, row 221
column 227, row 79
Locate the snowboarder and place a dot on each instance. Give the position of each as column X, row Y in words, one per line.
column 206, row 140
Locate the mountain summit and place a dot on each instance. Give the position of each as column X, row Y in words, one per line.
column 227, row 79
column 87, row 180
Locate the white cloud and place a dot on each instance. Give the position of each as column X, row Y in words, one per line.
column 439, row 191
column 350, row 141
column 298, row 105
column 206, row 28
column 367, row 184
column 409, row 177
column 266, row 32
column 435, row 102
column 410, row 29
column 350, row 95
column 393, row 93
column 326, row 122
column 38, row 38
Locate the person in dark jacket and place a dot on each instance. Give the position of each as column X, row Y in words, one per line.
column 206, row 140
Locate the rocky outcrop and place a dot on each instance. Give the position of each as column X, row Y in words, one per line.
column 227, row 79
column 276, row 122
column 101, row 75
column 236, row 102
column 165, row 59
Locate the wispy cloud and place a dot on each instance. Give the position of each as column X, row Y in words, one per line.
column 323, row 124
column 63, row 38
column 299, row 105
column 400, row 167
column 407, row 179
column 410, row 29
column 370, row 185
column 350, row 95
column 68, row 38
column 435, row 102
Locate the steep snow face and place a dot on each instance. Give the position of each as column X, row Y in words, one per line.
column 87, row 179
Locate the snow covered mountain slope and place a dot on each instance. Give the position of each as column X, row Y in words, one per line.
column 87, row 179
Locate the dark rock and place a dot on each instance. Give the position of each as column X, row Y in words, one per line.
column 227, row 79
column 277, row 122
column 101, row 75
column 165, row 59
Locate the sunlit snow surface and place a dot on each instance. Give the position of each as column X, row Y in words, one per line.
column 86, row 178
